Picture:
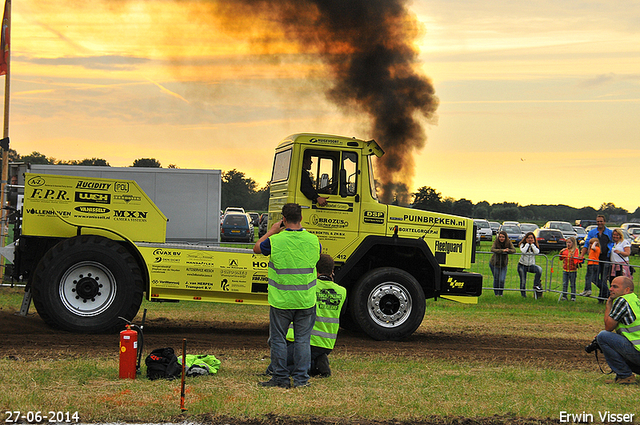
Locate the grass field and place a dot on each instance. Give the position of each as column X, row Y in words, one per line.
column 365, row 385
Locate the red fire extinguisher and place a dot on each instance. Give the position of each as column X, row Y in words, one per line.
column 128, row 353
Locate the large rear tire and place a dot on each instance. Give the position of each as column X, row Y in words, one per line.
column 388, row 304
column 86, row 283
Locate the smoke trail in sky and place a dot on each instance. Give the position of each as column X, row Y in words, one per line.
column 367, row 46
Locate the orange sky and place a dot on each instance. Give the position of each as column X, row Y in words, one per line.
column 539, row 100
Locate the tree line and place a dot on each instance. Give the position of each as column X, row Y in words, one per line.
column 238, row 190
column 427, row 198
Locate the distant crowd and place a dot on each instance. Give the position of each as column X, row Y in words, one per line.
column 606, row 252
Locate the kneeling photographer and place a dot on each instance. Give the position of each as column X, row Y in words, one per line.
column 620, row 341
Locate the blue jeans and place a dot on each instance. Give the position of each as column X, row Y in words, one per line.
column 569, row 277
column 279, row 321
column 522, row 272
column 499, row 276
column 620, row 353
column 591, row 277
column 604, row 271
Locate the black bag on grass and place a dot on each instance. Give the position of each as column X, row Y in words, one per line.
column 162, row 363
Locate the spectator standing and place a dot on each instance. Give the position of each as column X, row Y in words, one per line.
column 604, row 235
column 570, row 257
column 592, row 267
column 527, row 264
column 501, row 249
column 619, row 254
column 292, row 294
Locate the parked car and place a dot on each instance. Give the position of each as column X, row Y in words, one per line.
column 528, row 227
column 233, row 210
column 550, row 239
column 495, row 226
column 626, row 234
column 565, row 227
column 582, row 233
column 635, row 246
column 255, row 218
column 629, row 226
column 590, row 227
column 513, row 232
column 236, row 227
column 634, row 232
column 262, row 224
column 484, row 230
column 511, row 223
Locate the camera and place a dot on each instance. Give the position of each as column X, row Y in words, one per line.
column 593, row 346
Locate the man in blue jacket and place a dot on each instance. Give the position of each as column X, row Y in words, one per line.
column 605, row 236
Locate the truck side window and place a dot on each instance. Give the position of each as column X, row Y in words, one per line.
column 350, row 165
column 320, row 173
column 281, row 165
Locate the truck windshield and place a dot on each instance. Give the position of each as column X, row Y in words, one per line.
column 372, row 181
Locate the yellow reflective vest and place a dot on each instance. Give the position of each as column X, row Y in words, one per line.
column 330, row 298
column 632, row 331
column 292, row 269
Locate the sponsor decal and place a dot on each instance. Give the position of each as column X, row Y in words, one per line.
column 233, row 263
column 121, row 187
column 326, row 141
column 418, row 230
column 375, row 217
column 91, row 210
column 36, row 181
column 332, row 223
column 224, row 285
column 166, row 252
column 49, row 194
column 453, row 283
column 92, row 185
column 328, row 299
column 448, row 247
column 164, row 282
column 95, row 198
column 45, row 212
column 260, row 264
column 337, row 206
column 127, row 198
column 432, row 220
column 124, row 215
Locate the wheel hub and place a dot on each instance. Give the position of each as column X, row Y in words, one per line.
column 87, row 287
column 389, row 304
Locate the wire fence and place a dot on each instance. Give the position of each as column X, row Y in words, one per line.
column 551, row 279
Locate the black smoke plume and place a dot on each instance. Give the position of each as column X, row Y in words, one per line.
column 368, row 47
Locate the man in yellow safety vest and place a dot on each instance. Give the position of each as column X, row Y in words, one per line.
column 620, row 341
column 292, row 294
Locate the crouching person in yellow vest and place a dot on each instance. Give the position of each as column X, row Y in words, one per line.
column 330, row 298
column 620, row 341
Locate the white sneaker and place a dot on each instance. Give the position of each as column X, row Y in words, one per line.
column 585, row 293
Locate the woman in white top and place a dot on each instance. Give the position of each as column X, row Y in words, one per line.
column 620, row 254
column 527, row 264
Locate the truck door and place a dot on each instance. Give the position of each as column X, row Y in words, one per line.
column 334, row 175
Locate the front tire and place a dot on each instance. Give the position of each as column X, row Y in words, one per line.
column 388, row 304
column 86, row 283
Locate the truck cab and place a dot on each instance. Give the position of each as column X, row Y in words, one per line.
column 416, row 253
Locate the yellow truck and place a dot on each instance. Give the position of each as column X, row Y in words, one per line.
column 91, row 248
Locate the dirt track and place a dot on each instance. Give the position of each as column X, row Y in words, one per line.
column 36, row 337
column 39, row 340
